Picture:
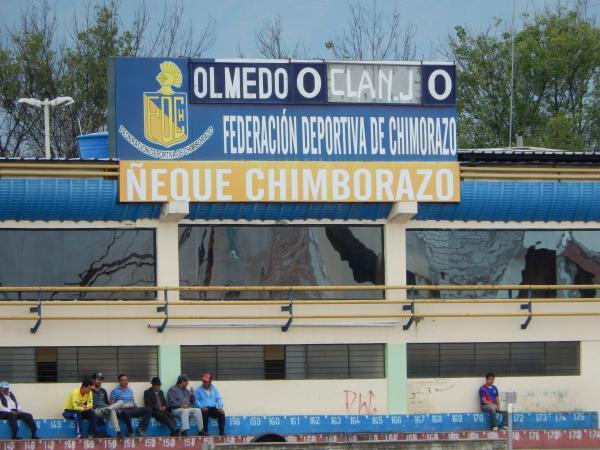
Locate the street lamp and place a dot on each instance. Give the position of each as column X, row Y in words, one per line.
column 46, row 104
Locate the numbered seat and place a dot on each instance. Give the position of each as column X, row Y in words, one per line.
column 308, row 424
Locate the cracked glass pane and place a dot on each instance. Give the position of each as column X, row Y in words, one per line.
column 281, row 255
column 520, row 257
column 78, row 257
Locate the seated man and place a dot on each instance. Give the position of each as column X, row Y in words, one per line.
column 10, row 410
column 181, row 401
column 79, row 406
column 102, row 406
column 128, row 408
column 154, row 398
column 489, row 398
column 209, row 400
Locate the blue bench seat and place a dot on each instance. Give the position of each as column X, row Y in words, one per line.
column 401, row 423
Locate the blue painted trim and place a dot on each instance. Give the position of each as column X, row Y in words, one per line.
column 401, row 423
column 519, row 201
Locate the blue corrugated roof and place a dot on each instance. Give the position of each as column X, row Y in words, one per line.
column 97, row 199
column 520, row 201
column 68, row 199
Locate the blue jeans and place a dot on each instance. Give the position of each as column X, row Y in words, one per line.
column 493, row 412
column 79, row 417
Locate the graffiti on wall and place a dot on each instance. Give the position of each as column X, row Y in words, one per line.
column 360, row 403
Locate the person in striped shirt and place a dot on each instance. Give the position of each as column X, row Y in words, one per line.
column 489, row 400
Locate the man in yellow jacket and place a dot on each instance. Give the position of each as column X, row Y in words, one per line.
column 79, row 407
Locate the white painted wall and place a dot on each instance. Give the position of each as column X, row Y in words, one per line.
column 282, row 397
column 566, row 393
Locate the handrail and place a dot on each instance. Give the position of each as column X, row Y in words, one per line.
column 374, row 287
column 313, row 302
column 313, row 316
column 405, row 308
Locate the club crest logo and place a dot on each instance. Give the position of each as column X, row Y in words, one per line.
column 166, row 119
column 165, row 111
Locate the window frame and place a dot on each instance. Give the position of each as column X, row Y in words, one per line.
column 379, row 226
column 113, row 228
column 72, row 365
column 436, row 371
column 304, row 370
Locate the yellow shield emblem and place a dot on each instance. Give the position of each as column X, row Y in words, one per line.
column 165, row 111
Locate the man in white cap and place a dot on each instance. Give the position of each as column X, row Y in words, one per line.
column 10, row 410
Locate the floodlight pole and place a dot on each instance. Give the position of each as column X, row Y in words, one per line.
column 512, row 75
column 47, row 128
column 46, row 104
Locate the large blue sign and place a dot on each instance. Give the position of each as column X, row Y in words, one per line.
column 182, row 109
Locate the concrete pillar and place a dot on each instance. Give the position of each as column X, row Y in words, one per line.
column 167, row 274
column 169, row 364
column 395, row 369
column 167, row 257
column 395, row 257
column 395, row 349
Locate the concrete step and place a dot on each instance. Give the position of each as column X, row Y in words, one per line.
column 523, row 439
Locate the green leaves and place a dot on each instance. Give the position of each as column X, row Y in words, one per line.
column 33, row 64
column 85, row 76
column 557, row 60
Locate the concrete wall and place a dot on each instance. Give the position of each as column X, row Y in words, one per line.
column 241, row 398
column 565, row 393
column 315, row 396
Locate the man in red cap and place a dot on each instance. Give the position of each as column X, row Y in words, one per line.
column 209, row 400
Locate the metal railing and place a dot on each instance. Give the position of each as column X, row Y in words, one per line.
column 408, row 304
column 110, row 169
column 59, row 169
column 529, row 173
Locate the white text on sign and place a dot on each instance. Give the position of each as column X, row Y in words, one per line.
column 244, row 181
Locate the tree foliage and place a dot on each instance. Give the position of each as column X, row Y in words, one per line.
column 30, row 67
column 556, row 92
column 35, row 65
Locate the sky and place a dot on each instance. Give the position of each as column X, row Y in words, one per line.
column 313, row 21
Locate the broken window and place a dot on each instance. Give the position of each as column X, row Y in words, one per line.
column 78, row 257
column 281, row 255
column 471, row 257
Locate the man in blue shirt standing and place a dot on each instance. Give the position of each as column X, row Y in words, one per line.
column 209, row 400
column 129, row 409
column 489, row 399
